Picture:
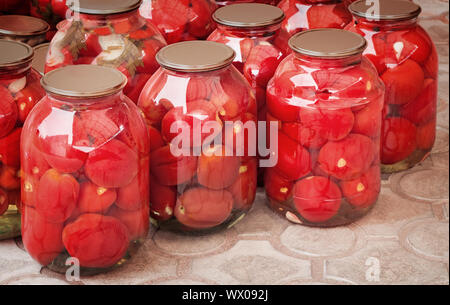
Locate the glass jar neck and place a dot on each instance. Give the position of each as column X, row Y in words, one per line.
column 14, row 72
column 265, row 32
column 327, row 63
column 85, row 103
column 132, row 18
column 385, row 25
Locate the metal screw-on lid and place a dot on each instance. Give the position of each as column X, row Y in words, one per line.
column 248, row 15
column 84, row 81
column 13, row 53
column 104, row 7
column 40, row 55
column 328, row 43
column 195, row 56
column 386, row 9
column 22, row 25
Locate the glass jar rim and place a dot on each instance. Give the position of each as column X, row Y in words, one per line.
column 14, row 54
column 101, row 7
column 248, row 15
column 195, row 56
column 328, row 43
column 387, row 10
column 84, row 81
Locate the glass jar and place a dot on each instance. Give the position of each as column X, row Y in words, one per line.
column 108, row 33
column 222, row 3
column 407, row 62
column 85, row 172
column 326, row 99
column 250, row 29
column 199, row 111
column 52, row 11
column 26, row 29
column 303, row 15
column 20, row 90
column 180, row 20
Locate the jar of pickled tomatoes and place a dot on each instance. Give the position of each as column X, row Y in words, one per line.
column 407, row 62
column 221, row 3
column 85, row 172
column 26, row 29
column 201, row 115
column 303, row 15
column 181, row 20
column 326, row 101
column 20, row 90
column 112, row 34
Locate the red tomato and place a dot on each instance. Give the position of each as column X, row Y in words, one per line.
column 262, row 64
column 137, row 222
column 27, row 98
column 9, row 178
column 244, row 188
column 363, row 191
column 195, row 115
column 403, row 83
column 423, row 108
column 59, row 8
column 241, row 136
column 97, row 241
column 8, row 112
column 277, row 187
column 10, row 149
column 201, row 208
column 317, row 199
column 200, row 22
column 170, row 170
column 29, row 190
column 162, row 200
column 57, row 196
column 399, row 140
column 217, row 172
column 171, row 18
column 328, row 16
column 201, row 88
column 35, row 164
column 95, row 199
column 131, row 196
column 294, row 162
column 277, row 98
column 368, row 120
column 426, row 135
column 112, row 165
column 331, row 124
column 348, row 158
column 154, row 113
column 41, row 238
column 305, row 135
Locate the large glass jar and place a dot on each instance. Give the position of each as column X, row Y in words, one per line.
column 52, row 11
column 180, row 20
column 199, row 111
column 85, row 172
column 221, row 3
column 108, row 33
column 250, row 30
column 20, row 90
column 326, row 99
column 407, row 61
column 26, row 29
column 303, row 15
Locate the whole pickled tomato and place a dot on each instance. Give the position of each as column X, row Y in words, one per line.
column 363, row 191
column 8, row 112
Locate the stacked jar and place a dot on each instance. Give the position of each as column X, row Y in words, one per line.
column 108, row 33
column 407, row 62
column 26, row 29
column 180, row 20
column 303, row 15
column 222, row 3
column 52, row 11
column 326, row 99
column 199, row 111
column 85, row 167
column 20, row 90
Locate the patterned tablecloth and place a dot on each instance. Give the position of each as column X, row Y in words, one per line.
column 406, row 235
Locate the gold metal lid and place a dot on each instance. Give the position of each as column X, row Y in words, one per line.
column 195, row 56
column 328, row 43
column 386, row 10
column 248, row 15
column 22, row 25
column 40, row 54
column 84, row 81
column 104, row 7
column 14, row 53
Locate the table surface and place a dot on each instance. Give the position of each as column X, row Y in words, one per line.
column 406, row 235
